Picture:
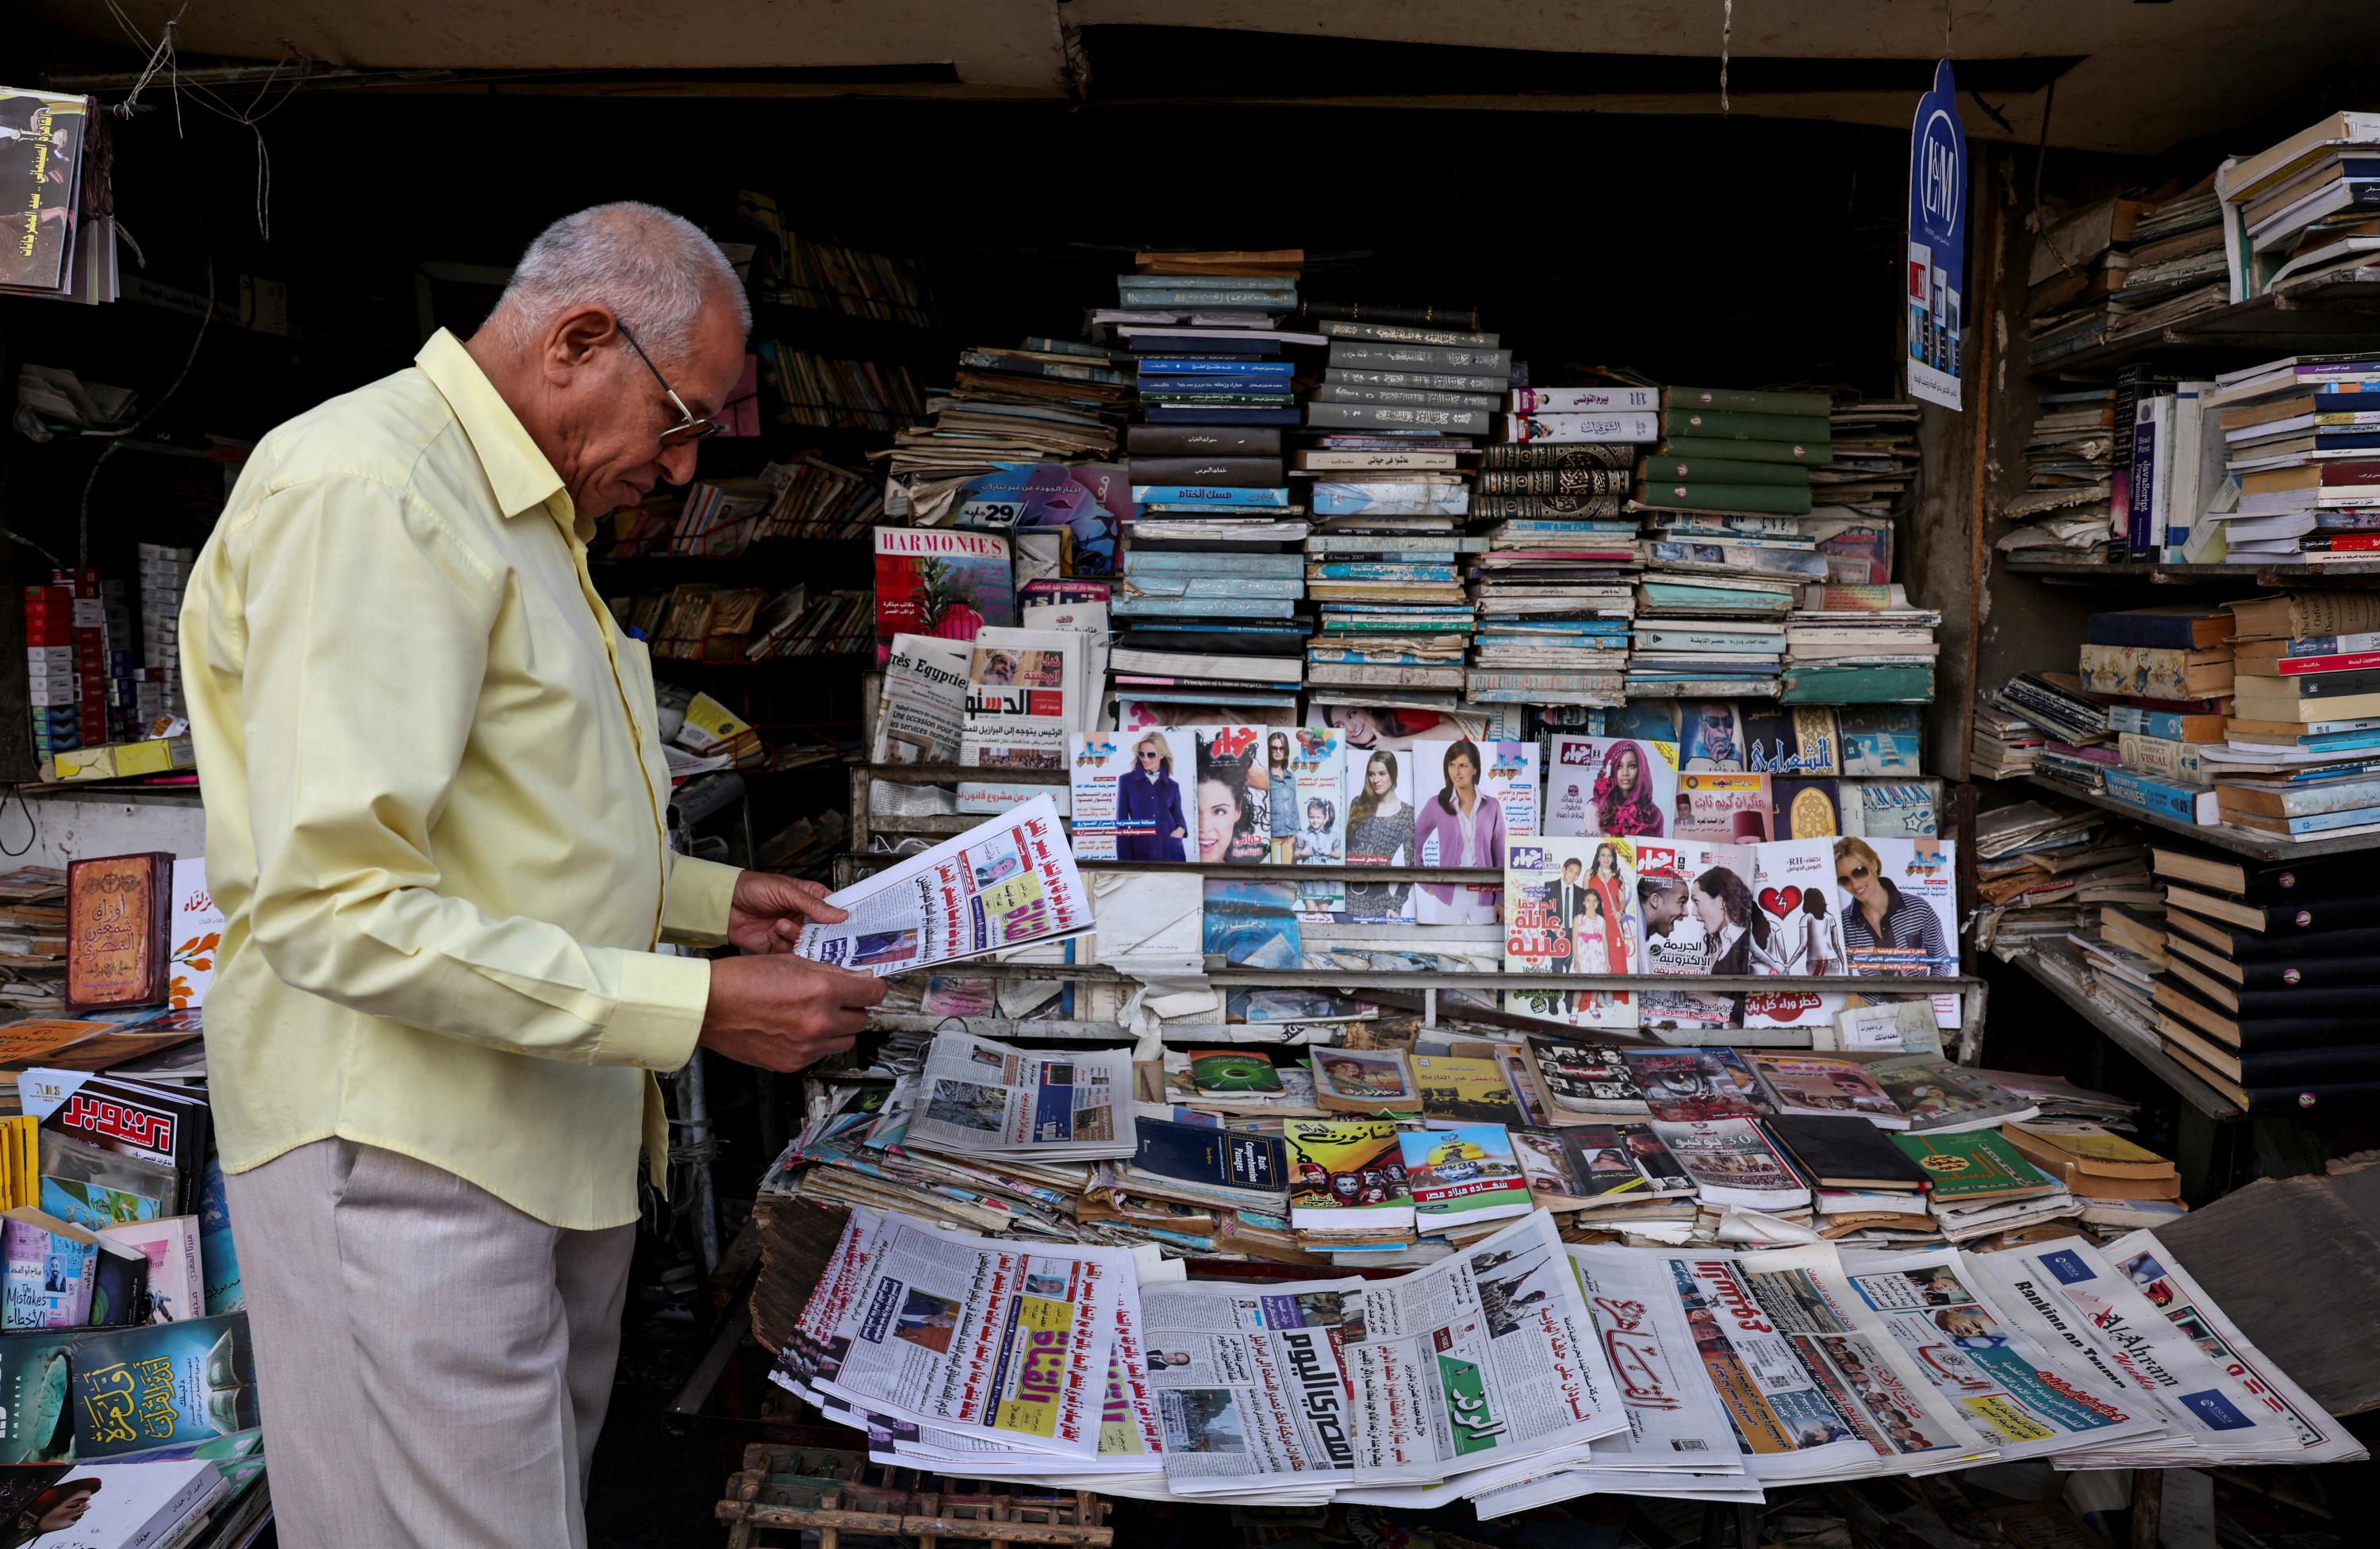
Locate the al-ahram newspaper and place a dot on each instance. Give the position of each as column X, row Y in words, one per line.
column 1486, row 1358
column 980, row 1098
column 1843, row 1345
column 1248, row 1384
column 983, row 1336
column 2069, row 1287
column 1008, row 882
column 2020, row 1397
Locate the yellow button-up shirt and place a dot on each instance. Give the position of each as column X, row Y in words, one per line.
column 435, row 809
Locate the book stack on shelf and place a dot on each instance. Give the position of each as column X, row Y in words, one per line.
column 2299, row 757
column 792, row 269
column 2048, row 875
column 2123, row 266
column 2069, row 466
column 2078, row 262
column 2270, row 986
column 1873, row 470
column 1859, row 642
column 2305, row 209
column 2167, row 674
column 830, row 392
column 2288, row 460
column 808, row 498
column 2176, row 268
column 1721, row 494
column 2074, row 750
column 1046, row 400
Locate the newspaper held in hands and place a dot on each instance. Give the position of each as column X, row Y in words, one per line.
column 1006, row 883
column 977, row 1098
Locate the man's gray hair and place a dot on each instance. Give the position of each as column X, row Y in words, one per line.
column 652, row 269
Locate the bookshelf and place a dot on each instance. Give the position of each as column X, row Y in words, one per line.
column 2142, row 1046
column 2223, row 835
column 2311, row 317
column 2126, row 572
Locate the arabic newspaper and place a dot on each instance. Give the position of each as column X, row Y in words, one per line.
column 1008, row 882
column 2017, row 1393
column 2145, row 1260
column 1843, row 1343
column 1785, row 1425
column 810, row 1352
column 1482, row 1360
column 2066, row 1287
column 981, row 1336
column 980, row 1098
column 1678, row 1441
column 1249, row 1392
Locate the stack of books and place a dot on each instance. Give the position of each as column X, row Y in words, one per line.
column 2122, row 266
column 2120, row 1185
column 2302, row 438
column 2003, row 744
column 1393, row 617
column 1047, row 399
column 1859, row 644
column 2176, row 268
column 1874, row 462
column 2047, row 873
column 1555, row 598
column 2170, row 670
column 2300, row 756
column 2271, row 989
column 2075, row 751
column 2077, row 264
column 2304, row 211
column 2070, row 464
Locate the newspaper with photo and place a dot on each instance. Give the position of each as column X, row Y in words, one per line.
column 1786, row 1425
column 2016, row 1393
column 922, row 707
column 1873, row 1383
column 1024, row 698
column 1250, row 1396
column 983, row 1336
column 1006, row 883
column 976, row 1097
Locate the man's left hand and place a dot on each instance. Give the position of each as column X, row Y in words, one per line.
column 769, row 911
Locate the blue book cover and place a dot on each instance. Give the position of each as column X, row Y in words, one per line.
column 1160, row 562
column 39, row 1421
column 1213, row 1158
column 2323, row 823
column 162, row 1384
column 1211, row 607
column 1252, row 924
column 1356, row 570
column 1224, row 497
column 2193, row 804
column 1214, row 586
column 1233, row 366
column 1283, row 284
column 2164, row 628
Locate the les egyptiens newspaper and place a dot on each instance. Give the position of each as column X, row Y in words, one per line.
column 1008, row 882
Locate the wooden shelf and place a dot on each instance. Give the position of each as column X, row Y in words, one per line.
column 2142, row 1046
column 2129, row 573
column 2222, row 836
column 2311, row 318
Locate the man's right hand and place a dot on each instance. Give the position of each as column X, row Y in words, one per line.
column 781, row 1012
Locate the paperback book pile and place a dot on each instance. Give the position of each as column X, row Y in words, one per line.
column 2047, row 875
column 2168, row 673
column 2294, row 475
column 2269, row 992
column 2302, row 211
column 2074, row 750
column 2070, row 464
column 1859, row 644
column 1874, row 466
column 2124, row 265
column 1296, row 1392
column 1046, row 399
column 2300, row 756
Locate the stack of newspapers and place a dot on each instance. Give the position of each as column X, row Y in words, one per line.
column 1522, row 1371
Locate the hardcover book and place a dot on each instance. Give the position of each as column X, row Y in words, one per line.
column 1231, row 1168
column 1973, row 1166
column 119, row 909
column 1844, row 1151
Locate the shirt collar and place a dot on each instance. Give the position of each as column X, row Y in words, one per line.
column 518, row 472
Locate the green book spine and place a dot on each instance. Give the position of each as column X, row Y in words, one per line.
column 1900, row 685
column 1724, row 425
column 1778, row 500
column 1739, row 400
column 1813, row 454
column 1720, row 471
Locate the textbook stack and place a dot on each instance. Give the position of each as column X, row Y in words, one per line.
column 1555, row 598
column 1047, row 399
column 2270, row 990
column 2046, row 871
column 2123, row 266
column 2304, row 210
column 2171, row 669
column 2300, row 442
column 1393, row 616
column 2300, row 756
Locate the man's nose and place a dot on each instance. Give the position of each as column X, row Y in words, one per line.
column 677, row 462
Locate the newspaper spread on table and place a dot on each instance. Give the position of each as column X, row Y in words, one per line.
column 977, row 1097
column 2087, row 1306
column 2011, row 1388
column 1008, row 882
column 2169, row 1288
column 1872, row 1383
column 1677, row 1443
column 1249, row 1392
column 1472, row 1371
column 982, row 1336
column 1785, row 1425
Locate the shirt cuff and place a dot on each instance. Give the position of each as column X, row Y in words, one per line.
column 660, row 1013
column 695, row 908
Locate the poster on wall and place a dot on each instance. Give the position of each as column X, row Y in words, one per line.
column 1937, row 241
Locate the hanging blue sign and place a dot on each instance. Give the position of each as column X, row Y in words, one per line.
column 1937, row 241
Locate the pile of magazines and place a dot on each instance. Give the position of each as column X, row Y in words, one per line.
column 1522, row 1371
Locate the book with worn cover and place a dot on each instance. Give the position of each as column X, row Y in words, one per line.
column 119, row 909
column 1840, row 1150
column 1365, row 1081
column 1229, row 1167
column 1456, row 1091
column 1941, row 1097
column 1813, row 1084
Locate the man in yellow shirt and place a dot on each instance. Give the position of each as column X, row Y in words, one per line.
column 436, row 825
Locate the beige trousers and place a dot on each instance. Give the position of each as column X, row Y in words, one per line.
column 433, row 1365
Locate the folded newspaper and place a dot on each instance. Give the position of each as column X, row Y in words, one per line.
column 976, row 1097
column 1008, row 882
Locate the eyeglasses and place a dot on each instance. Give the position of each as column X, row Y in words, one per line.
column 1150, row 753
column 1857, row 873
column 688, row 429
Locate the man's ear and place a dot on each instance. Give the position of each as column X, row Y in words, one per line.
column 572, row 338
